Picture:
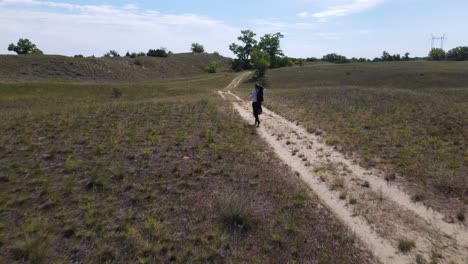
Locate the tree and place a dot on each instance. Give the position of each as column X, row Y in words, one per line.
column 386, row 56
column 458, row 54
column 335, row 58
column 406, row 57
column 300, row 62
column 437, row 54
column 270, row 44
column 283, row 62
column 243, row 52
column 197, row 48
column 260, row 62
column 162, row 53
column 24, row 46
column 112, row 53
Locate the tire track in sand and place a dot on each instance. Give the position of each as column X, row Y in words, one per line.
column 381, row 215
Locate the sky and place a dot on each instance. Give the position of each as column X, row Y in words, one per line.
column 312, row 28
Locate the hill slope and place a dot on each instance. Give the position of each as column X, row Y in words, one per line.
column 47, row 68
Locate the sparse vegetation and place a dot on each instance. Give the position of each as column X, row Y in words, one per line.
column 362, row 113
column 58, row 68
column 92, row 179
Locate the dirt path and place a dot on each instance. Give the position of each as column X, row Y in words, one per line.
column 380, row 214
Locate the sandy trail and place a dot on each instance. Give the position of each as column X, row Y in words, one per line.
column 378, row 213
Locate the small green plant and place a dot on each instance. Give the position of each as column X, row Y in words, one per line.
column 420, row 259
column 343, row 195
column 419, row 196
column 299, row 197
column 333, row 140
column 461, row 216
column 338, row 183
column 366, row 184
column 235, row 212
column 138, row 62
column 352, row 200
column 406, row 245
column 116, row 93
column 33, row 250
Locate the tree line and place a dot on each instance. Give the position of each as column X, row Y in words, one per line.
column 265, row 53
column 455, row 54
column 25, row 46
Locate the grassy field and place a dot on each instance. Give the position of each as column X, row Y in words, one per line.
column 410, row 119
column 163, row 173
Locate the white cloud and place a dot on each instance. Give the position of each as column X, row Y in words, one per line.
column 303, row 14
column 63, row 28
column 353, row 6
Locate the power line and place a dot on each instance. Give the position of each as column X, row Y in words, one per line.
column 435, row 40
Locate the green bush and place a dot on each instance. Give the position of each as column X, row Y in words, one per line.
column 437, row 54
column 212, row 67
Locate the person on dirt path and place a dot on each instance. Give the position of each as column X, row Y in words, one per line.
column 257, row 98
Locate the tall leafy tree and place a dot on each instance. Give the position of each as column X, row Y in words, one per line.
column 406, row 57
column 243, row 51
column 25, row 46
column 386, row 56
column 270, row 44
column 197, row 48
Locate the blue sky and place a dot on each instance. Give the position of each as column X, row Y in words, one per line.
column 355, row 28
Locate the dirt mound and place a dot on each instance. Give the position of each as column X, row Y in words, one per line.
column 60, row 68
